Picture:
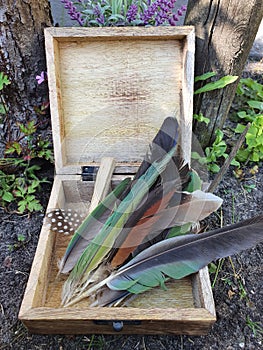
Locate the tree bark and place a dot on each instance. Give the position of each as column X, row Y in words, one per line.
column 225, row 32
column 22, row 54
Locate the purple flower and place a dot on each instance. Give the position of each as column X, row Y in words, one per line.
column 132, row 12
column 181, row 10
column 74, row 14
column 101, row 19
column 41, row 78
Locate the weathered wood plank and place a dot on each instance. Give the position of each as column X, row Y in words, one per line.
column 103, row 181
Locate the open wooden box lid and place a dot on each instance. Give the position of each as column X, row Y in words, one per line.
column 111, row 88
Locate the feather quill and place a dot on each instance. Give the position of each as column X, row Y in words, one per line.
column 176, row 258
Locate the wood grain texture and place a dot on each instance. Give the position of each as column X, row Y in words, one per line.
column 225, row 32
column 111, row 96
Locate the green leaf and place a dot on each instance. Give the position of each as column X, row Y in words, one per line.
column 22, row 206
column 3, row 80
column 2, row 109
column 256, row 105
column 34, row 205
column 219, row 84
column 240, row 128
column 204, row 76
column 234, row 162
column 243, row 154
column 195, row 182
column 214, row 168
column 200, row 118
column 8, row 197
column 21, row 238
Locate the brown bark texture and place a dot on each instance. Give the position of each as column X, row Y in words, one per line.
column 225, row 32
column 22, row 54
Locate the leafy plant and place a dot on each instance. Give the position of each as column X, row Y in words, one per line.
column 217, row 150
column 21, row 240
column 248, row 102
column 253, row 149
column 20, row 191
column 18, row 180
column 248, row 107
column 214, row 153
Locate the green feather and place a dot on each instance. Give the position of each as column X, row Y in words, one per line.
column 87, row 230
column 102, row 243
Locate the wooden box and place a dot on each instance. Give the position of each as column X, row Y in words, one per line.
column 110, row 90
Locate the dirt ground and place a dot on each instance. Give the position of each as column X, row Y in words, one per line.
column 237, row 292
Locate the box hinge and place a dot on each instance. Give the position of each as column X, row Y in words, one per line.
column 89, row 173
column 117, row 325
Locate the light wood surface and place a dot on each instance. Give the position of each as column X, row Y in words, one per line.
column 109, row 98
column 103, row 181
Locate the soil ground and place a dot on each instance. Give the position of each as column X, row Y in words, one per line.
column 237, row 289
column 237, row 292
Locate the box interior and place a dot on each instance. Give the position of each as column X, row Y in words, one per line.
column 178, row 294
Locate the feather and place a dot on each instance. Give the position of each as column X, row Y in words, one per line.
column 165, row 139
column 102, row 243
column 90, row 227
column 196, row 206
column 176, row 258
column 63, row 221
column 157, row 199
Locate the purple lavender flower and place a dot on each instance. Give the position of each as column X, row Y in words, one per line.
column 181, row 10
column 132, row 12
column 101, row 19
column 74, row 14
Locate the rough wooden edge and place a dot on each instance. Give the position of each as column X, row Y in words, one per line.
column 36, row 286
column 186, row 113
column 92, row 320
column 123, row 32
column 56, row 110
column 202, row 292
column 103, row 181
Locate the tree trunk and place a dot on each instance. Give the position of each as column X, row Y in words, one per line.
column 225, row 32
column 22, row 54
